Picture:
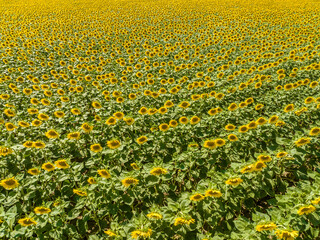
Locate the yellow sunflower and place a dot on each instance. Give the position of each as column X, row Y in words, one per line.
column 113, row 144
column 9, row 183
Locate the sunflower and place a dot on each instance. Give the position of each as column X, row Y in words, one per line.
column 183, row 120
column 42, row 210
column 132, row 96
column 111, row 121
column 144, row 234
column 110, row 233
column 282, row 154
column 288, row 86
column 36, row 123
column 232, row 138
column 314, row 131
column 316, row 201
column 247, row 169
column 261, row 121
column 73, row 136
column 265, row 158
column 9, row 112
column 154, row 215
column 28, row 144
column 96, row 148
column 259, row 165
column 252, row 125
column 91, row 180
column 118, row 115
column 219, row 96
column 164, row 127
column 313, row 84
column 10, row 126
column 211, row 144
column 306, row 210
column 197, row 197
column 33, row 111
column 286, row 234
column 75, row 111
column 220, row 142
column 34, row 171
column 9, row 183
column 234, row 181
column 129, row 181
column 143, row 111
column 152, row 111
column 23, row 124
column 266, row 227
column 64, row 99
column 302, row 141
column 39, row 144
column 213, row 193
column 273, row 119
column 309, row 100
column 249, row 100
column 52, row 134
column 212, row 111
column 181, row 221
column 129, row 120
column 258, row 85
column 232, row 107
column 168, row 104
column 43, row 116
column 59, row 114
column 80, row 192
column 258, row 106
column 4, row 151
column 289, row 108
column 195, row 97
column 142, row 140
column 104, row 173
column 48, row 166
column 158, row 171
column 96, row 105
column 25, row 222
column 86, row 127
column 162, row 110
column 113, row 144
column 184, row 104
column 194, row 120
column 62, row 164
column 230, row 127
column 243, row 129
column 4, row 96
column 34, row 101
column 280, row 123
column 134, row 166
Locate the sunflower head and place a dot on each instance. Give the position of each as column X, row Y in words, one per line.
column 113, row 144
column 142, row 140
column 96, row 148
column 9, row 183
column 164, row 127
column 211, row 144
column 62, row 164
column 52, row 134
column 25, row 222
column 129, row 181
column 104, row 173
column 42, row 210
column 48, row 166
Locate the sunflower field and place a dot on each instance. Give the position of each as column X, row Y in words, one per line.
column 160, row 119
